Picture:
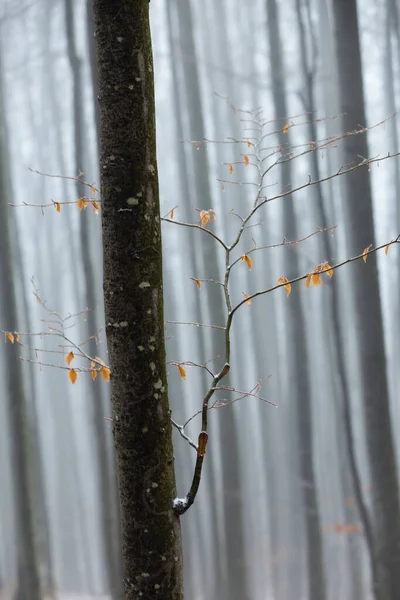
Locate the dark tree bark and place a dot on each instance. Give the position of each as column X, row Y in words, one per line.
column 151, row 536
column 367, row 311
column 294, row 316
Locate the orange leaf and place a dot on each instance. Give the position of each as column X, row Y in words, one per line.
column 316, row 279
column 308, row 280
column 230, row 169
column 386, row 249
column 94, row 375
column 73, row 376
column 213, row 214
column 171, row 214
column 246, row 296
column 286, row 128
column 246, row 160
column 106, row 373
column 248, row 144
column 93, row 364
column 17, row 338
column 182, row 372
column 327, row 269
column 95, row 206
column 204, row 217
column 80, row 203
column 85, row 203
column 198, row 283
column 285, row 281
column 10, row 337
column 365, row 254
column 247, row 260
column 69, row 358
column 57, row 206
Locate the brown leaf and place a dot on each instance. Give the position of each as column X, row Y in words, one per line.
column 327, row 269
column 247, row 260
column 69, row 358
column 10, row 337
column 246, row 296
column 106, row 373
column 171, row 214
column 95, row 206
column 57, row 206
column 308, row 280
column 94, row 374
column 365, row 254
column 285, row 281
column 230, row 169
column 73, row 376
column 286, row 128
column 316, row 279
column 246, row 160
column 387, row 249
column 204, row 217
column 182, row 372
column 80, row 203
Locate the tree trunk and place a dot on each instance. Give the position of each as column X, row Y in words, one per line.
column 151, row 536
column 29, row 583
column 331, row 309
column 294, row 317
column 367, row 310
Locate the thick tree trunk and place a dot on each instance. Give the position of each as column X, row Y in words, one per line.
column 367, row 310
column 151, row 533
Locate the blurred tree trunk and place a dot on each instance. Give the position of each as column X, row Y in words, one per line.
column 232, row 578
column 298, row 368
column 194, row 260
column 151, row 536
column 29, row 582
column 36, row 458
column 93, row 69
column 367, row 310
column 108, row 521
column 350, row 475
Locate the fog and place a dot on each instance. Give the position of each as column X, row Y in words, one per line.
column 283, row 107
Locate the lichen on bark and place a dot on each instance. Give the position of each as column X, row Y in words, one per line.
column 134, row 296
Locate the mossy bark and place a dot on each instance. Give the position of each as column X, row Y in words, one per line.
column 134, row 301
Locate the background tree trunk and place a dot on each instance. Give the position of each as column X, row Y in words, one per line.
column 367, row 309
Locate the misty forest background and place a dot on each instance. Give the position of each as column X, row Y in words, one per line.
column 292, row 498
